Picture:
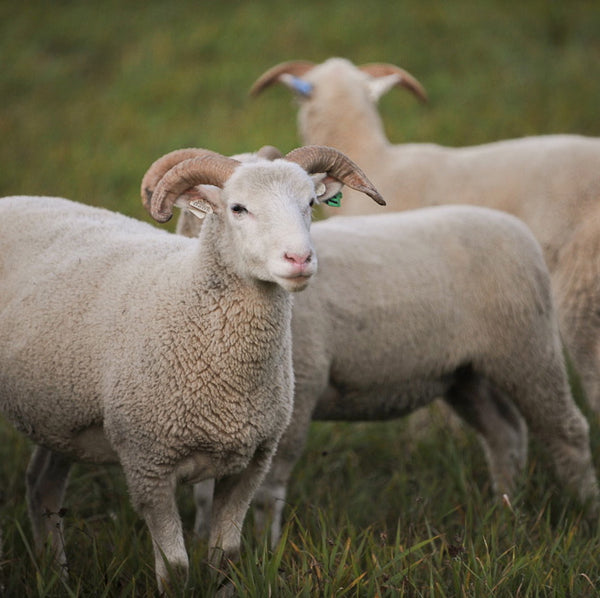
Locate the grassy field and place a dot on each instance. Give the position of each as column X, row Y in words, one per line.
column 92, row 93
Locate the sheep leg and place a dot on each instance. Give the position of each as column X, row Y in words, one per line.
column 554, row 418
column 270, row 499
column 203, row 496
column 231, row 499
column 46, row 481
column 155, row 501
column 500, row 428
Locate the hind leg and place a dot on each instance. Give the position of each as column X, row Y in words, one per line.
column 203, row 496
column 500, row 428
column 564, row 432
column 46, row 481
column 270, row 499
column 544, row 398
column 575, row 288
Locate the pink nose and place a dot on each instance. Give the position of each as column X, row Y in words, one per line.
column 298, row 259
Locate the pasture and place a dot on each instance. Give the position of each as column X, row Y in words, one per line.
column 93, row 93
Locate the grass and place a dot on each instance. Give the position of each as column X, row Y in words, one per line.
column 92, row 93
column 372, row 512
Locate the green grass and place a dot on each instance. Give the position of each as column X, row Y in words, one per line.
column 372, row 512
column 92, row 93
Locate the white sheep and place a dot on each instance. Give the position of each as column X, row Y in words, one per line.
column 171, row 356
column 451, row 301
column 551, row 182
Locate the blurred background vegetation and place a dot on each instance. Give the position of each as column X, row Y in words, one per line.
column 92, row 93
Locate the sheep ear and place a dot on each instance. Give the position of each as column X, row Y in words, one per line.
column 328, row 189
column 201, row 200
column 379, row 86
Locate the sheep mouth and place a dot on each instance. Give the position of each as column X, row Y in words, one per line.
column 295, row 282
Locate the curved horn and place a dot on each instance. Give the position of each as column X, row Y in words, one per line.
column 319, row 158
column 293, row 67
column 161, row 166
column 207, row 169
column 379, row 69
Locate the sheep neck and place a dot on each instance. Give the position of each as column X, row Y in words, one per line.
column 228, row 316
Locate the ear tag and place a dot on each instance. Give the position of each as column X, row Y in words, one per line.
column 304, row 88
column 335, row 201
column 200, row 208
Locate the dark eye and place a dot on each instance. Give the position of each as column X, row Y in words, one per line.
column 238, row 209
column 311, row 203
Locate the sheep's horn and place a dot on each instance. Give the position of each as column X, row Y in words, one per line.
column 379, row 69
column 208, row 168
column 293, row 67
column 319, row 158
column 161, row 166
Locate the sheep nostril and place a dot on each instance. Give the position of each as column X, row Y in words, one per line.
column 297, row 258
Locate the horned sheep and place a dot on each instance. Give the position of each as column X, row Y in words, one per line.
column 172, row 356
column 450, row 301
column 552, row 182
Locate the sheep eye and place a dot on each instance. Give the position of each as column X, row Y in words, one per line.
column 238, row 209
column 312, row 202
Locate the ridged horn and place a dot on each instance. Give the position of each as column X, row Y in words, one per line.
column 320, row 158
column 208, row 168
column 380, row 69
column 297, row 68
column 161, row 166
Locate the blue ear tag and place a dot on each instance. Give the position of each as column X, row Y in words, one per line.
column 335, row 201
column 304, row 88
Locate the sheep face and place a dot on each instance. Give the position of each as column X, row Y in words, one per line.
column 268, row 208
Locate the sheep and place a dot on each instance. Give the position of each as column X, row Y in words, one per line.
column 451, row 301
column 552, row 182
column 171, row 356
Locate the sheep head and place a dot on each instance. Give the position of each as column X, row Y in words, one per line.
column 303, row 76
column 266, row 203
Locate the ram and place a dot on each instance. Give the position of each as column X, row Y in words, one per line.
column 123, row 343
column 551, row 182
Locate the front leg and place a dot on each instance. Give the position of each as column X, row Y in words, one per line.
column 231, row 499
column 154, row 499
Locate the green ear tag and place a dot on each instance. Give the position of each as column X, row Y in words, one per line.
column 335, row 201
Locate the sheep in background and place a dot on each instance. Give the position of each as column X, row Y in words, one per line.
column 172, row 356
column 451, row 301
column 551, row 182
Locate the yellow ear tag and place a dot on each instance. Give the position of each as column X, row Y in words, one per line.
column 200, row 208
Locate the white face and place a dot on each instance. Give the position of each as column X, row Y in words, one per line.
column 269, row 209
